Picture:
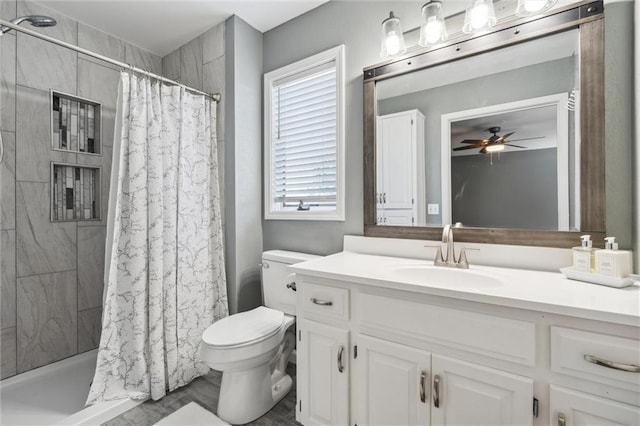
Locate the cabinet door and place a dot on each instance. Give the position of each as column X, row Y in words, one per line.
column 323, row 374
column 573, row 408
column 470, row 394
column 395, row 163
column 401, row 217
column 392, row 383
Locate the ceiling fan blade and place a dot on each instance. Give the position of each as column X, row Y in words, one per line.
column 527, row 139
column 474, row 141
column 467, row 147
column 503, row 137
column 515, row 146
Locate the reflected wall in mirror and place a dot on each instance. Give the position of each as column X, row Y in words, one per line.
column 500, row 141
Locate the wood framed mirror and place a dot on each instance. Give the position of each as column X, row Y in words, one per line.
column 574, row 141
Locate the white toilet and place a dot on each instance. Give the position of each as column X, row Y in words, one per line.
column 252, row 348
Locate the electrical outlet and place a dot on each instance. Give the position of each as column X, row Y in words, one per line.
column 433, row 208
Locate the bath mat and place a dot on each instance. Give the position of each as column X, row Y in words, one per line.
column 191, row 414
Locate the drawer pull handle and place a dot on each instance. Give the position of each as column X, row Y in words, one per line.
column 562, row 420
column 340, row 365
column 321, row 302
column 436, row 391
column 630, row 368
column 423, row 390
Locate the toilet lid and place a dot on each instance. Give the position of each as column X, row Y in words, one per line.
column 244, row 327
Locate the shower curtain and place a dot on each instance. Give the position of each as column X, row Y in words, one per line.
column 164, row 273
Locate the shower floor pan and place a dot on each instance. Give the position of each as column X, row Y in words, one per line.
column 56, row 394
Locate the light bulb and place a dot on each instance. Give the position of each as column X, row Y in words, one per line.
column 479, row 15
column 433, row 31
column 393, row 43
column 494, row 148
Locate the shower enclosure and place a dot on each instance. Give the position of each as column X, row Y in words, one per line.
column 57, row 112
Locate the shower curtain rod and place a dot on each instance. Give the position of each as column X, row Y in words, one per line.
column 215, row 96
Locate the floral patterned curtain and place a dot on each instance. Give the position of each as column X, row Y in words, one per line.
column 165, row 279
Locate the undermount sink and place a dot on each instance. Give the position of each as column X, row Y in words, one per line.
column 450, row 277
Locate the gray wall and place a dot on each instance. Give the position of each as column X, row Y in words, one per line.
column 243, row 159
column 357, row 25
column 636, row 137
column 52, row 273
column 518, row 191
column 503, row 87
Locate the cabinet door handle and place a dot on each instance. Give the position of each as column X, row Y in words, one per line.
column 436, row 391
column 630, row 368
column 423, row 384
column 340, row 365
column 321, row 302
column 292, row 286
column 562, row 420
column 384, row 197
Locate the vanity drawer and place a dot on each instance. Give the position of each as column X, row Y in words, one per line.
column 500, row 338
column 581, row 354
column 325, row 301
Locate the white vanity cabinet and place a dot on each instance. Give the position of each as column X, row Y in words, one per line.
column 400, row 169
column 380, row 353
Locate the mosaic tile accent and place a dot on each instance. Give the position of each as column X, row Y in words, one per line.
column 76, row 124
column 75, row 193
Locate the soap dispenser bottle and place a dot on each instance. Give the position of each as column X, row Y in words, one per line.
column 583, row 256
column 613, row 262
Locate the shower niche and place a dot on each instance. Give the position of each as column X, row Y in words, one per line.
column 75, row 192
column 75, row 124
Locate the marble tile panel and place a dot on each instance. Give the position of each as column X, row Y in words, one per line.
column 44, row 66
column 142, row 59
column 8, row 278
column 214, row 82
column 8, row 9
column 47, row 319
column 171, row 65
column 104, row 162
column 99, row 42
column 89, row 328
column 42, row 246
column 8, row 82
column 191, row 63
column 91, row 240
column 33, row 138
column 66, row 28
column 8, row 182
column 213, row 43
column 100, row 84
column 8, row 352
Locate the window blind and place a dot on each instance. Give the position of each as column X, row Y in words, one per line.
column 304, row 128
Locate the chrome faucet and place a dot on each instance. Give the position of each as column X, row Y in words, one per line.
column 450, row 261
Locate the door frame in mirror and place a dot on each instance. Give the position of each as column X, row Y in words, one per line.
column 560, row 102
column 589, row 19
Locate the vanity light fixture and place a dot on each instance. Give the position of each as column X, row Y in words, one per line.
column 432, row 28
column 392, row 37
column 479, row 16
column 533, row 7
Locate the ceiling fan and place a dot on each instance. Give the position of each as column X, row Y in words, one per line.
column 495, row 143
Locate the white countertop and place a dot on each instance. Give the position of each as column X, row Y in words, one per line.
column 541, row 291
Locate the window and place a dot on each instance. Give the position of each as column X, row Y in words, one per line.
column 304, row 139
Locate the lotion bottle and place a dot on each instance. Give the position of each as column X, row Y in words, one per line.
column 613, row 262
column 583, row 257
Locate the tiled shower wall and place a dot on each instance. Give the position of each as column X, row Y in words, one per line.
column 51, row 273
column 200, row 64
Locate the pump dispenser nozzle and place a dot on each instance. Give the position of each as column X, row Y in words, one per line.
column 586, row 241
column 611, row 243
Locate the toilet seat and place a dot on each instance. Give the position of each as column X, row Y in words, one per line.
column 245, row 328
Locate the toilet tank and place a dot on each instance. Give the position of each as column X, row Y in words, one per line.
column 274, row 279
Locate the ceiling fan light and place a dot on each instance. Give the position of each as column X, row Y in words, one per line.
column 432, row 28
column 479, row 16
column 392, row 38
column 494, row 148
column 533, row 7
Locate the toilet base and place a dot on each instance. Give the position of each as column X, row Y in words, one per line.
column 233, row 405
